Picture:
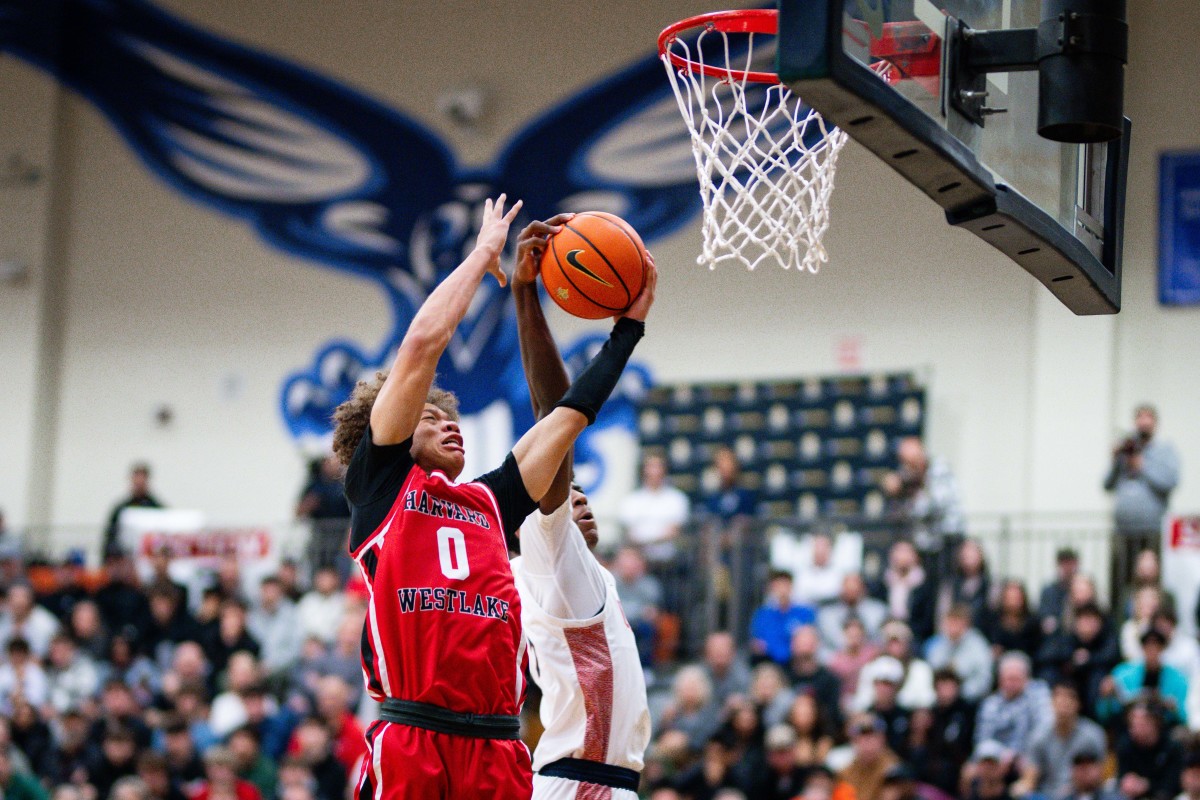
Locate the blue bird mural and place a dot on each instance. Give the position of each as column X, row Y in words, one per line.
column 328, row 174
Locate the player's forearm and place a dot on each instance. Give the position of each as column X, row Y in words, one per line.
column 541, row 451
column 441, row 313
column 544, row 369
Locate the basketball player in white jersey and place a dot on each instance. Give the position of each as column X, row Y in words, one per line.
column 581, row 649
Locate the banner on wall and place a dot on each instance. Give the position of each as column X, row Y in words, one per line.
column 196, row 548
column 1179, row 229
column 1181, row 567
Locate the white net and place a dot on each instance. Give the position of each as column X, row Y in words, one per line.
column 764, row 159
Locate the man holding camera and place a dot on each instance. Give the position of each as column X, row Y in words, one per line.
column 1144, row 471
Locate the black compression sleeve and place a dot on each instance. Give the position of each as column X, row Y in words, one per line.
column 593, row 386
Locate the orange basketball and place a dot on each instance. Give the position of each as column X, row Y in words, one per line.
column 595, row 267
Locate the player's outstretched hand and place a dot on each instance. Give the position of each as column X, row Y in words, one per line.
column 531, row 244
column 493, row 233
column 641, row 306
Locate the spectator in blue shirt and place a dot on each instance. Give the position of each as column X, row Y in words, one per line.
column 730, row 500
column 773, row 623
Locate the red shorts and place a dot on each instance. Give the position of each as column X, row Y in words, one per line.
column 407, row 763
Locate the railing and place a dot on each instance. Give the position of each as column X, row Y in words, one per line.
column 719, row 575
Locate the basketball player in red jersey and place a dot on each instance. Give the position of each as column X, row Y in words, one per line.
column 443, row 650
column 582, row 651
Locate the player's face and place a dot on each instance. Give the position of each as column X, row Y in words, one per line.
column 438, row 443
column 581, row 512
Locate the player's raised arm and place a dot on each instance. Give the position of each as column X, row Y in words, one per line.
column 401, row 400
column 544, row 369
column 541, row 451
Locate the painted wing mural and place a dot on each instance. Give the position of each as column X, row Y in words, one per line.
column 325, row 173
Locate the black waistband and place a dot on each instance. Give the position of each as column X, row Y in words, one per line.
column 443, row 720
column 577, row 769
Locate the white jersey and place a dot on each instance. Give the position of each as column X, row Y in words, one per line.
column 593, row 691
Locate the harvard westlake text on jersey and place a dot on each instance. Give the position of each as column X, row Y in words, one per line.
column 424, row 503
column 451, row 601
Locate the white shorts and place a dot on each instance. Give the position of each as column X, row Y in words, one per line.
column 545, row 788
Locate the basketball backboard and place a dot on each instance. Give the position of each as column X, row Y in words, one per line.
column 891, row 74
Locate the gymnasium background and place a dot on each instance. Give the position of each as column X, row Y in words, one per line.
column 135, row 298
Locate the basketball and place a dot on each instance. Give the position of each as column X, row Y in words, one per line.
column 595, row 267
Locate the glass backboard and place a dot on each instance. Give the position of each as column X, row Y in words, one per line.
column 889, row 73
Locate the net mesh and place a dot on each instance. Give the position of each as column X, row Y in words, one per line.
column 765, row 160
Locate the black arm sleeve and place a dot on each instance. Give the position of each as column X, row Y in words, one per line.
column 374, row 477
column 512, row 497
column 593, row 386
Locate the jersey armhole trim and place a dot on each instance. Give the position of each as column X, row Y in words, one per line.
column 382, row 532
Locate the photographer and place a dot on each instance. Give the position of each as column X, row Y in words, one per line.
column 922, row 499
column 1144, row 471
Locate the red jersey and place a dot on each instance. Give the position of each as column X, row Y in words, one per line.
column 444, row 619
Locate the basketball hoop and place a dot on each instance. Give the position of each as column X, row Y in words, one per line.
column 764, row 159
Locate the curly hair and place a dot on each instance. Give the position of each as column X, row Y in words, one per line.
column 351, row 418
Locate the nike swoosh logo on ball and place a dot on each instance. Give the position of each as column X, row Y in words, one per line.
column 573, row 260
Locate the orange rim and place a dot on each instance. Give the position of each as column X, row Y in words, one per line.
column 754, row 20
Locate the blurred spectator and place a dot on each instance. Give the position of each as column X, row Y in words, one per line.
column 123, row 606
column 917, row 689
column 24, row 619
column 76, row 752
column 221, row 781
column 1147, row 572
column 1147, row 600
column 68, row 587
column 273, row 723
column 1046, row 768
column 228, row 708
column 1148, row 761
column 136, row 671
column 783, row 778
column 252, row 765
column 30, row 736
column 702, row 780
column 923, row 496
column 820, row 580
column 323, row 496
column 724, row 666
column 189, row 666
column 230, row 636
column 731, row 500
column 1189, row 778
column 1083, row 654
column 848, row 662
column 1144, row 472
column 313, row 747
column 333, row 697
column 909, row 596
column 21, row 678
column 87, row 629
column 871, row 760
column 119, row 707
column 152, row 769
column 160, row 571
column 321, row 609
column 1182, row 653
column 987, row 777
column 183, row 757
column 1019, row 709
column 118, row 759
column 814, row 732
column 131, row 787
column 1146, row 678
column 139, row 497
column 641, row 598
column 344, row 659
column 969, row 584
column 289, row 578
column 962, row 648
column 274, row 623
column 691, row 711
column 227, row 579
column 887, row 676
column 1088, row 779
column 20, row 762
column 744, row 736
column 773, row 623
column 72, row 676
column 852, row 601
column 18, row 786
column 1013, row 625
column 1052, row 606
column 192, row 706
column 948, row 740
column 654, row 514
column 770, row 693
column 295, row 780
column 808, row 675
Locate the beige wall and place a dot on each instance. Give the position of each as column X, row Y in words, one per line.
column 167, row 303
